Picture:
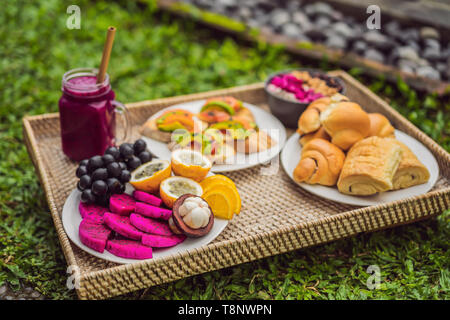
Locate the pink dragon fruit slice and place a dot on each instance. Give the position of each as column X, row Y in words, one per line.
column 122, row 225
column 129, row 249
column 150, row 225
column 94, row 235
column 147, row 198
column 152, row 211
column 157, row 241
column 92, row 212
column 122, row 204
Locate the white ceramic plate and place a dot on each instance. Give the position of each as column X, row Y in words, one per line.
column 290, row 156
column 265, row 121
column 71, row 220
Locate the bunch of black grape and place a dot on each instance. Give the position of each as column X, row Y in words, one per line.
column 102, row 176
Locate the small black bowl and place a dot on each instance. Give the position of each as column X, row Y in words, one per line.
column 289, row 111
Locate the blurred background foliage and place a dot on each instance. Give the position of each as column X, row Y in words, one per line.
column 157, row 55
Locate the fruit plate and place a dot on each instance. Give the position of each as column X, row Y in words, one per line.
column 71, row 220
column 290, row 156
column 265, row 121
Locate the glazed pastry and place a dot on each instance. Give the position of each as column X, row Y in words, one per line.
column 370, row 166
column 410, row 171
column 380, row 126
column 309, row 121
column 320, row 163
column 346, row 123
column 319, row 134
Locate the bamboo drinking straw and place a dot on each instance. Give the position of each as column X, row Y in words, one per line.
column 106, row 53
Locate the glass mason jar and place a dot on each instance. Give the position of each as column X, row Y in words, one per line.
column 87, row 111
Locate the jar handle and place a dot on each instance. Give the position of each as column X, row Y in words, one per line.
column 123, row 111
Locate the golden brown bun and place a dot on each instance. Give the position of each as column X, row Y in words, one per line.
column 410, row 171
column 320, row 163
column 319, row 134
column 380, row 126
column 370, row 166
column 309, row 120
column 346, row 123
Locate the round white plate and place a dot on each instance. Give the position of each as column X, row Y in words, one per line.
column 71, row 220
column 290, row 156
column 265, row 121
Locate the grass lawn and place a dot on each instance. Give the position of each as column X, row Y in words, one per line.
column 156, row 55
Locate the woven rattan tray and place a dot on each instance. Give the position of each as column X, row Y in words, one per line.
column 277, row 216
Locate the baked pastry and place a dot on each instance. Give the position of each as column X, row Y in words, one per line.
column 319, row 134
column 320, row 163
column 380, row 126
column 309, row 120
column 346, row 123
column 410, row 171
column 370, row 166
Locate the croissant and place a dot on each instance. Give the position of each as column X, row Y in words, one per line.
column 309, row 121
column 380, row 126
column 370, row 166
column 410, row 171
column 320, row 163
column 346, row 123
column 321, row 134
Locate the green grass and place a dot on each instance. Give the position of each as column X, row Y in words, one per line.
column 156, row 55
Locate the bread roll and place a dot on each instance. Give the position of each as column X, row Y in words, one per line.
column 370, row 166
column 309, row 120
column 346, row 123
column 410, row 171
column 320, row 163
column 380, row 126
column 319, row 134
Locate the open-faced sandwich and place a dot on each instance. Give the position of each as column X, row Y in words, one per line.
column 222, row 127
column 161, row 128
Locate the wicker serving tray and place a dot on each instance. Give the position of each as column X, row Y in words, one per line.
column 277, row 216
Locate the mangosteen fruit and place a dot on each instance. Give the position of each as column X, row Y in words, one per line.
column 192, row 216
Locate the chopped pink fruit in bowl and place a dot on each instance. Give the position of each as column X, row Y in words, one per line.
column 290, row 83
column 289, row 92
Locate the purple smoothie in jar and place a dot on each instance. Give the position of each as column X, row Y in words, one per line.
column 87, row 114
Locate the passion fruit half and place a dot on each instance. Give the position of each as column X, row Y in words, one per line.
column 180, row 225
